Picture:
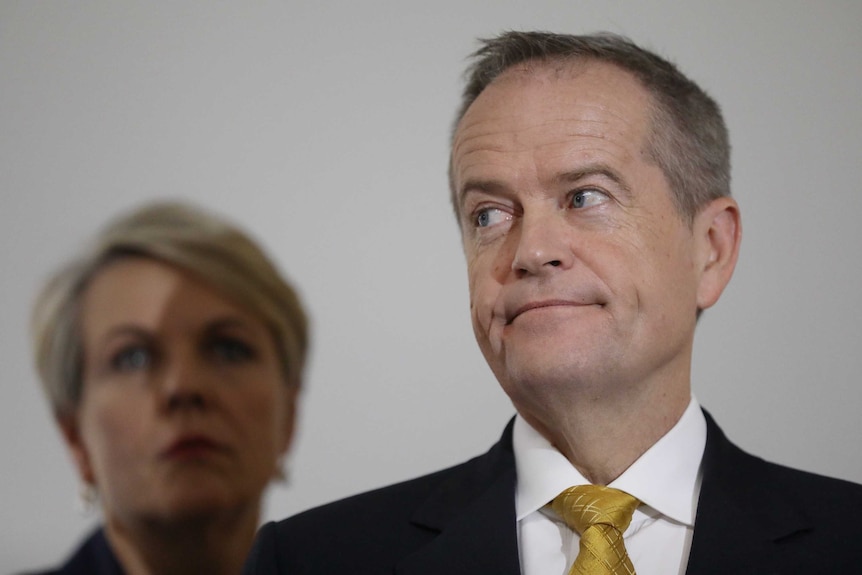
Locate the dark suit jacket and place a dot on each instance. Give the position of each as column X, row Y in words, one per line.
column 93, row 557
column 753, row 517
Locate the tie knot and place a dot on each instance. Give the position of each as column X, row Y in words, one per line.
column 583, row 506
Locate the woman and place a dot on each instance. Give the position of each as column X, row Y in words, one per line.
column 171, row 353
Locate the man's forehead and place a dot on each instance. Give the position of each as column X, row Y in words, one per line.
column 556, row 88
column 544, row 103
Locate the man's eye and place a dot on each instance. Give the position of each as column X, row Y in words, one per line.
column 135, row 358
column 588, row 198
column 489, row 216
column 231, row 350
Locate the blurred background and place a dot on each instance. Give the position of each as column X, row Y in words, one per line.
column 323, row 128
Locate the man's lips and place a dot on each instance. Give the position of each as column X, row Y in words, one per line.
column 542, row 304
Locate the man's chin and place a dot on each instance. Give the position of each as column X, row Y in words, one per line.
column 552, row 378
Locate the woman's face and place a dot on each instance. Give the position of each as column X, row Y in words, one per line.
column 184, row 408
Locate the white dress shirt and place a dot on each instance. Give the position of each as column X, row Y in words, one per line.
column 666, row 478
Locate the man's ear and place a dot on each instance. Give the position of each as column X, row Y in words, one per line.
column 72, row 434
column 718, row 233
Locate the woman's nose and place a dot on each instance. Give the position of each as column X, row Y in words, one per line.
column 185, row 385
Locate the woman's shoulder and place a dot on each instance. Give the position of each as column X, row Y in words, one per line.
column 93, row 557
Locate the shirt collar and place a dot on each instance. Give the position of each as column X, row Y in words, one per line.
column 666, row 477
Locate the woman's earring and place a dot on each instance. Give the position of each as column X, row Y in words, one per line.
column 88, row 499
column 280, row 473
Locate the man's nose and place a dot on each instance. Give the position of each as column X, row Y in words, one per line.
column 543, row 245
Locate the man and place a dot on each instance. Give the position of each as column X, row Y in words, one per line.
column 590, row 179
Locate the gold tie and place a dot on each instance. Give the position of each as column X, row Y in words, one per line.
column 601, row 515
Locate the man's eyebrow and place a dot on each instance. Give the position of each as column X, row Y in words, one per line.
column 489, row 186
column 496, row 187
column 603, row 170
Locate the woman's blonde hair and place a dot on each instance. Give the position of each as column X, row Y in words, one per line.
column 190, row 239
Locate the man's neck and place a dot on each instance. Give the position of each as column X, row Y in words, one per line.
column 602, row 436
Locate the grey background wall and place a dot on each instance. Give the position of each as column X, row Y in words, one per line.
column 323, row 128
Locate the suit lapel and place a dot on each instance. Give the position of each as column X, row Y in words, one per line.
column 739, row 516
column 474, row 514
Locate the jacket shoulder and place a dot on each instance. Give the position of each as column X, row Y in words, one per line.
column 93, row 557
column 820, row 498
column 749, row 477
column 372, row 531
column 754, row 516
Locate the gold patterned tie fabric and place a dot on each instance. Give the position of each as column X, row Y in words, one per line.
column 600, row 515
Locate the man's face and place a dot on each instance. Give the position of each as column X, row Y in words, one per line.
column 582, row 273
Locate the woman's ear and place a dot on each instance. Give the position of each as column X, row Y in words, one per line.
column 287, row 430
column 718, row 233
column 72, row 435
column 290, row 418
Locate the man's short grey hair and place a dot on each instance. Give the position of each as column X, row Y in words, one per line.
column 688, row 139
column 190, row 239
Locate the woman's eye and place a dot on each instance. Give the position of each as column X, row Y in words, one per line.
column 588, row 198
column 135, row 358
column 487, row 217
column 231, row 350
